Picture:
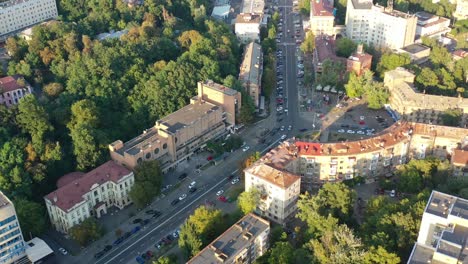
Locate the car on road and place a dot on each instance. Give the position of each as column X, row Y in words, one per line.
column 99, row 254
column 175, row 201
column 219, row 192
column 192, row 190
column 136, row 221
column 341, row 130
column 245, row 148
column 282, row 128
column 351, row 131
column 289, row 127
column 393, row 193
column 183, row 176
column 192, row 184
column 145, row 222
column 283, row 137
column 156, row 214
column 183, row 196
column 63, row 251
column 236, row 180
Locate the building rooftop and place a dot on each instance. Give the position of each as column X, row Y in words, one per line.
column 253, row 6
column 221, row 10
column 415, row 48
column 281, row 156
column 10, row 83
column 421, row 254
column 136, row 144
column 250, row 69
column 270, row 173
column 361, row 57
column 248, row 18
column 322, row 8
column 37, row 249
column 187, row 115
column 460, row 53
column 72, row 193
column 362, row 4
column 325, row 49
column 219, row 87
column 424, row 16
column 226, row 247
column 4, row 201
column 460, row 157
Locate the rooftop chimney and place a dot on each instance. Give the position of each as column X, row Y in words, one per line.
column 360, row 49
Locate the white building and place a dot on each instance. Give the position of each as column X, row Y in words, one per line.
column 247, row 27
column 379, row 26
column 279, row 190
column 19, row 14
column 253, row 6
column 321, row 17
column 12, row 247
column 251, row 71
column 82, row 195
column 430, row 25
column 443, row 231
column 221, row 12
column 12, row 89
column 461, row 11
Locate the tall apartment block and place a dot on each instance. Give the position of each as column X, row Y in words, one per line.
column 443, row 231
column 379, row 26
column 251, row 71
column 176, row 137
column 16, row 15
column 12, row 246
column 322, row 19
column 243, row 243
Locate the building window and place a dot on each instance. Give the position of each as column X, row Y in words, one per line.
column 156, row 151
column 165, row 146
column 148, row 155
column 139, row 160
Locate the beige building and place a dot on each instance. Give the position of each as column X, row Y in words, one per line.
column 82, row 195
column 247, row 27
column 359, row 61
column 430, row 25
column 419, row 107
column 321, row 17
column 379, row 26
column 460, row 162
column 175, row 137
column 251, row 71
column 443, row 231
column 16, row 15
column 279, row 189
column 12, row 247
column 12, row 89
column 243, row 243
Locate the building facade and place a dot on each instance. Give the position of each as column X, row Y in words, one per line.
column 243, row 242
column 382, row 27
column 322, row 20
column 430, row 25
column 325, row 50
column 12, row 89
column 419, row 107
column 83, row 195
column 251, row 71
column 279, row 190
column 247, row 27
column 179, row 135
column 12, row 247
column 443, row 231
column 16, row 15
column 460, row 162
column 359, row 61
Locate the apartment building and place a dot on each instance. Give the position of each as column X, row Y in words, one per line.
column 243, row 242
column 443, row 231
column 12, row 246
column 16, row 15
column 379, row 26
column 251, row 71
column 179, row 135
column 247, row 27
column 420, row 107
column 279, row 190
column 325, row 50
column 12, row 89
column 430, row 25
column 322, row 19
column 460, row 162
column 82, row 195
column 359, row 61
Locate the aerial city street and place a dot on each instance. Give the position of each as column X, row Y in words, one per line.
column 243, row 131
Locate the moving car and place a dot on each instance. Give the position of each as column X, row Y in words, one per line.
column 283, row 137
column 183, row 196
column 245, row 148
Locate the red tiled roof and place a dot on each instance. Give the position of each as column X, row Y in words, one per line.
column 460, row 157
column 270, row 173
column 363, row 57
column 9, row 83
column 68, row 178
column 321, row 8
column 308, row 148
column 72, row 193
column 460, row 53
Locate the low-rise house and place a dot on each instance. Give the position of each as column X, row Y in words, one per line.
column 418, row 53
column 430, row 25
column 359, row 61
column 12, row 89
column 82, row 195
column 247, row 27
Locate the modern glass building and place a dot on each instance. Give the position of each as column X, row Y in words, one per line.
column 12, row 246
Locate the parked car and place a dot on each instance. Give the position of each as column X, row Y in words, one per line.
column 245, row 148
column 149, row 211
column 283, row 137
column 219, row 192
column 341, row 130
column 136, row 221
column 107, row 248
column 222, row 198
column 117, row 241
column 393, row 193
column 192, row 190
column 183, row 196
column 183, row 176
column 99, row 254
column 135, row 229
column 350, row 131
column 144, row 222
column 192, row 184
column 175, row 201
column 156, row 214
column 236, row 180
column 140, row 260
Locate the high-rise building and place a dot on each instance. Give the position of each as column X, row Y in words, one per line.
column 16, row 15
column 251, row 71
column 13, row 247
column 321, row 17
column 243, row 243
column 379, row 26
column 443, row 231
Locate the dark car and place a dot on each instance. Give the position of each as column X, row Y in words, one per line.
column 174, row 202
column 107, row 248
column 140, row 260
column 192, row 190
column 138, row 220
column 144, row 222
column 344, row 126
column 135, row 229
column 156, row 214
column 230, row 177
column 118, row 241
column 127, row 235
column 183, row 176
column 169, row 237
column 303, row 130
column 149, row 212
column 99, row 255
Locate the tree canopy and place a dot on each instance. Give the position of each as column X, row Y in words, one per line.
column 345, row 47
column 148, row 181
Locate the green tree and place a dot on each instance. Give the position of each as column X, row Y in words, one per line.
column 53, row 90
column 380, row 256
column 377, row 96
column 148, row 181
column 248, row 200
column 336, row 199
column 426, row 78
column 189, row 240
column 452, row 117
column 331, row 73
column 304, row 7
column 282, row 253
column 32, row 216
column 345, row 47
column 308, row 45
column 87, row 231
column 410, row 181
column 171, row 259
column 308, row 211
column 390, row 61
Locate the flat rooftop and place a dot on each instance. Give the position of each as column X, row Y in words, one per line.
column 424, row 16
column 362, row 4
column 253, row 6
column 248, row 18
column 421, row 254
column 226, row 247
column 415, row 48
column 219, row 87
column 250, row 70
column 322, row 8
column 439, row 204
column 187, row 115
column 134, row 145
column 273, row 175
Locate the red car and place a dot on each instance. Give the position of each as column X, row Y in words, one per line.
column 209, row 158
column 362, row 122
column 222, row 198
column 149, row 254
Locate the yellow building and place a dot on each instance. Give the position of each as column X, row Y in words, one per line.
column 175, row 137
column 251, row 70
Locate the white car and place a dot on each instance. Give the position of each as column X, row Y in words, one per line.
column 341, row 130
column 219, row 192
column 183, row 196
column 236, row 180
column 286, row 110
column 360, row 132
column 192, row 184
column 63, row 251
column 392, row 193
column 245, row 148
column 282, row 128
column 362, row 118
column 283, row 137
column 289, row 127
column 351, row 132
